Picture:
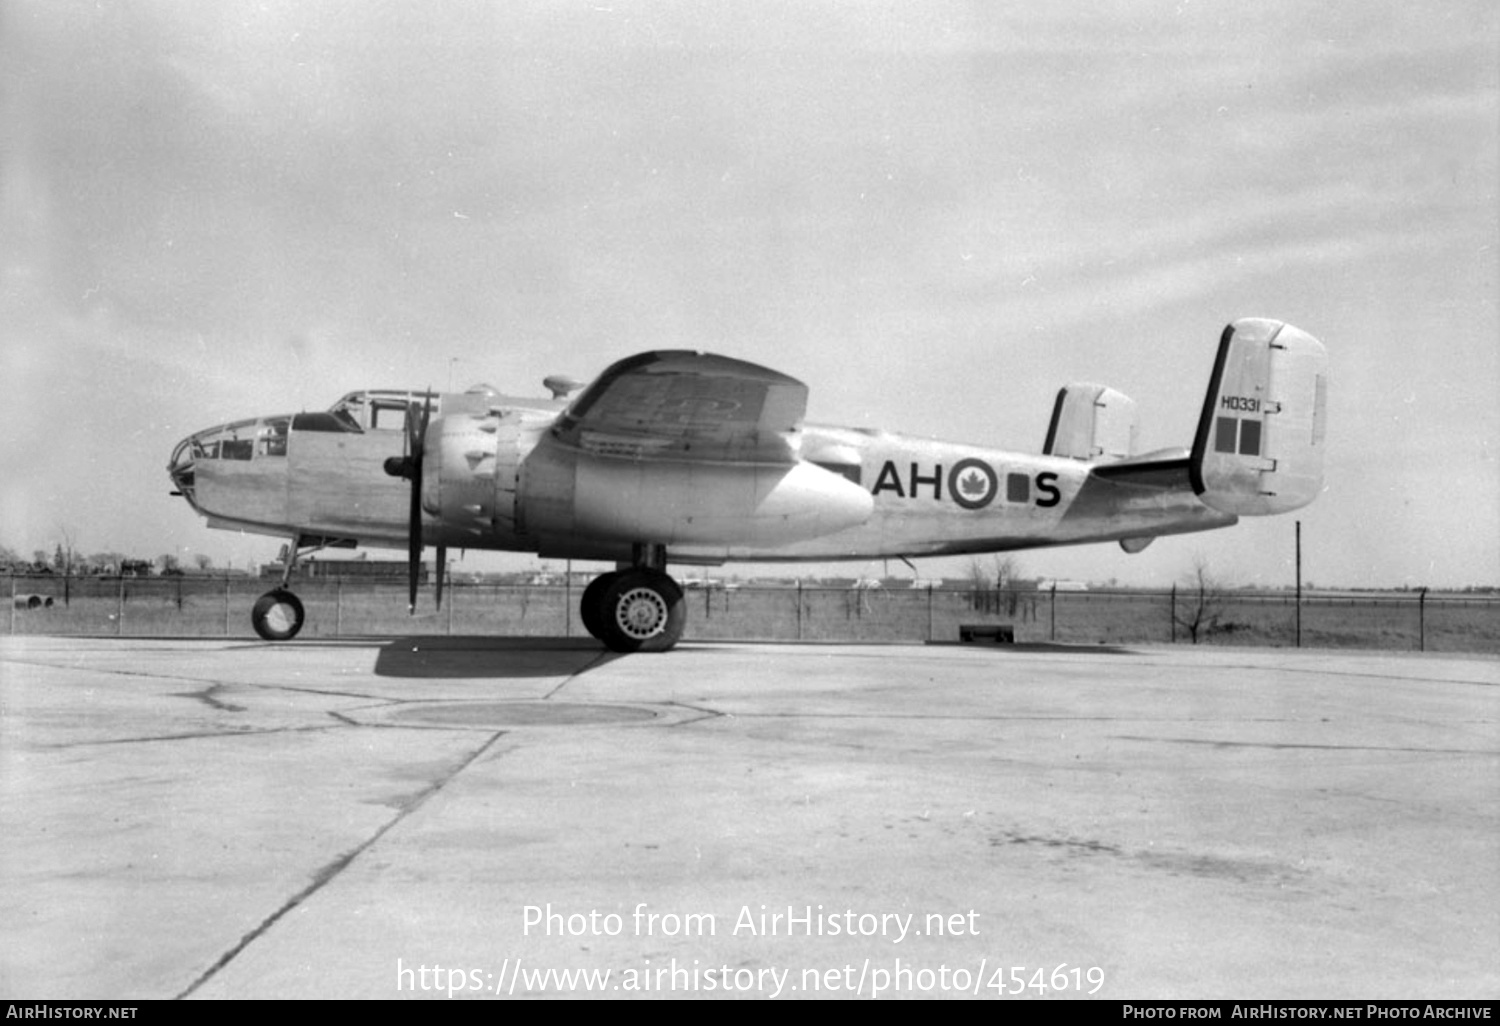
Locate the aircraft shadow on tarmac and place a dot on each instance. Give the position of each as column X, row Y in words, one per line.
column 481, row 656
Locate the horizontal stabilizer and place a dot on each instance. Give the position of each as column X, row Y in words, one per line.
column 1091, row 422
column 1259, row 446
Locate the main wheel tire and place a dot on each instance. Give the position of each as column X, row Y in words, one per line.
column 278, row 615
column 589, row 607
column 641, row 611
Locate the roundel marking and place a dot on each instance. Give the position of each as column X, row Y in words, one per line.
column 973, row 483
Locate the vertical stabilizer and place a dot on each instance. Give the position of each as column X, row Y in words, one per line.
column 1091, row 422
column 1259, row 446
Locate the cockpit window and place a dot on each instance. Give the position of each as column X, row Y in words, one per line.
column 388, row 415
column 381, row 409
column 339, row 421
column 240, row 440
column 235, row 441
column 271, row 437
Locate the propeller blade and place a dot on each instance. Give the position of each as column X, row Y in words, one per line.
column 411, row 445
column 426, row 415
column 414, row 540
column 417, row 442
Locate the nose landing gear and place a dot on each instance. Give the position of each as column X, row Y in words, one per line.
column 278, row 615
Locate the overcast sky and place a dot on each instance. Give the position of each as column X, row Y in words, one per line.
column 934, row 214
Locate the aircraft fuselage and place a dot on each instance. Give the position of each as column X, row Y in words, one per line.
column 925, row 497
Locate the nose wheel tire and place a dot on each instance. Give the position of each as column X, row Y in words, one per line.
column 640, row 611
column 278, row 615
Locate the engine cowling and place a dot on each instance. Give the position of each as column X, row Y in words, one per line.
column 472, row 460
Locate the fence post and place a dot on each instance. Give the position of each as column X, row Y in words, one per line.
column 120, row 608
column 1052, row 633
column 1422, row 619
column 226, row 603
column 929, row 612
column 1172, row 614
column 799, row 609
column 13, row 603
column 338, row 608
column 1299, row 584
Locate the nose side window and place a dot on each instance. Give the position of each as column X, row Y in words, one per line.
column 388, row 416
column 271, row 437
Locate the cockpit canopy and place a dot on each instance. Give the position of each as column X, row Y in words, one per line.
column 381, row 409
column 242, row 440
column 263, row 437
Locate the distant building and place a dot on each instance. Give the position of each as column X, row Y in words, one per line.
column 363, row 569
column 1058, row 585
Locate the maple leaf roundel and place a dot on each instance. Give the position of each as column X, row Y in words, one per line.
column 973, row 483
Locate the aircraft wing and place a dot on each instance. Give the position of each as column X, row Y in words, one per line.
column 682, row 405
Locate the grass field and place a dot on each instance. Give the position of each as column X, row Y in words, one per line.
column 220, row 607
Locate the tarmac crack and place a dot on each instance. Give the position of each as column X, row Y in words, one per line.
column 194, row 736
column 1290, row 746
column 603, row 657
column 209, row 684
column 1320, row 671
column 114, row 672
column 703, row 714
column 330, row 872
column 206, row 696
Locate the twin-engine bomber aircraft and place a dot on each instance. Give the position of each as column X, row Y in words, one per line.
column 701, row 459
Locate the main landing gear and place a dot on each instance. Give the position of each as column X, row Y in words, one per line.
column 636, row 609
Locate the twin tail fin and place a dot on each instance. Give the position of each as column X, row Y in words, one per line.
column 1260, row 440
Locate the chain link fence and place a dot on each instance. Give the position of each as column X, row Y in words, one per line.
column 204, row 606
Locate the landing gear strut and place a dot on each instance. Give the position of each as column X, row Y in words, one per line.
column 635, row 610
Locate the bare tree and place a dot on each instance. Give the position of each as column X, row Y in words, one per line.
column 994, row 583
column 1198, row 605
column 66, row 553
column 203, row 561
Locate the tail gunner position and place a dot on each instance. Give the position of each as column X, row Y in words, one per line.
column 702, row 459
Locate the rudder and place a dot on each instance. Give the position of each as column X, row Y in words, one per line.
column 1259, row 446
